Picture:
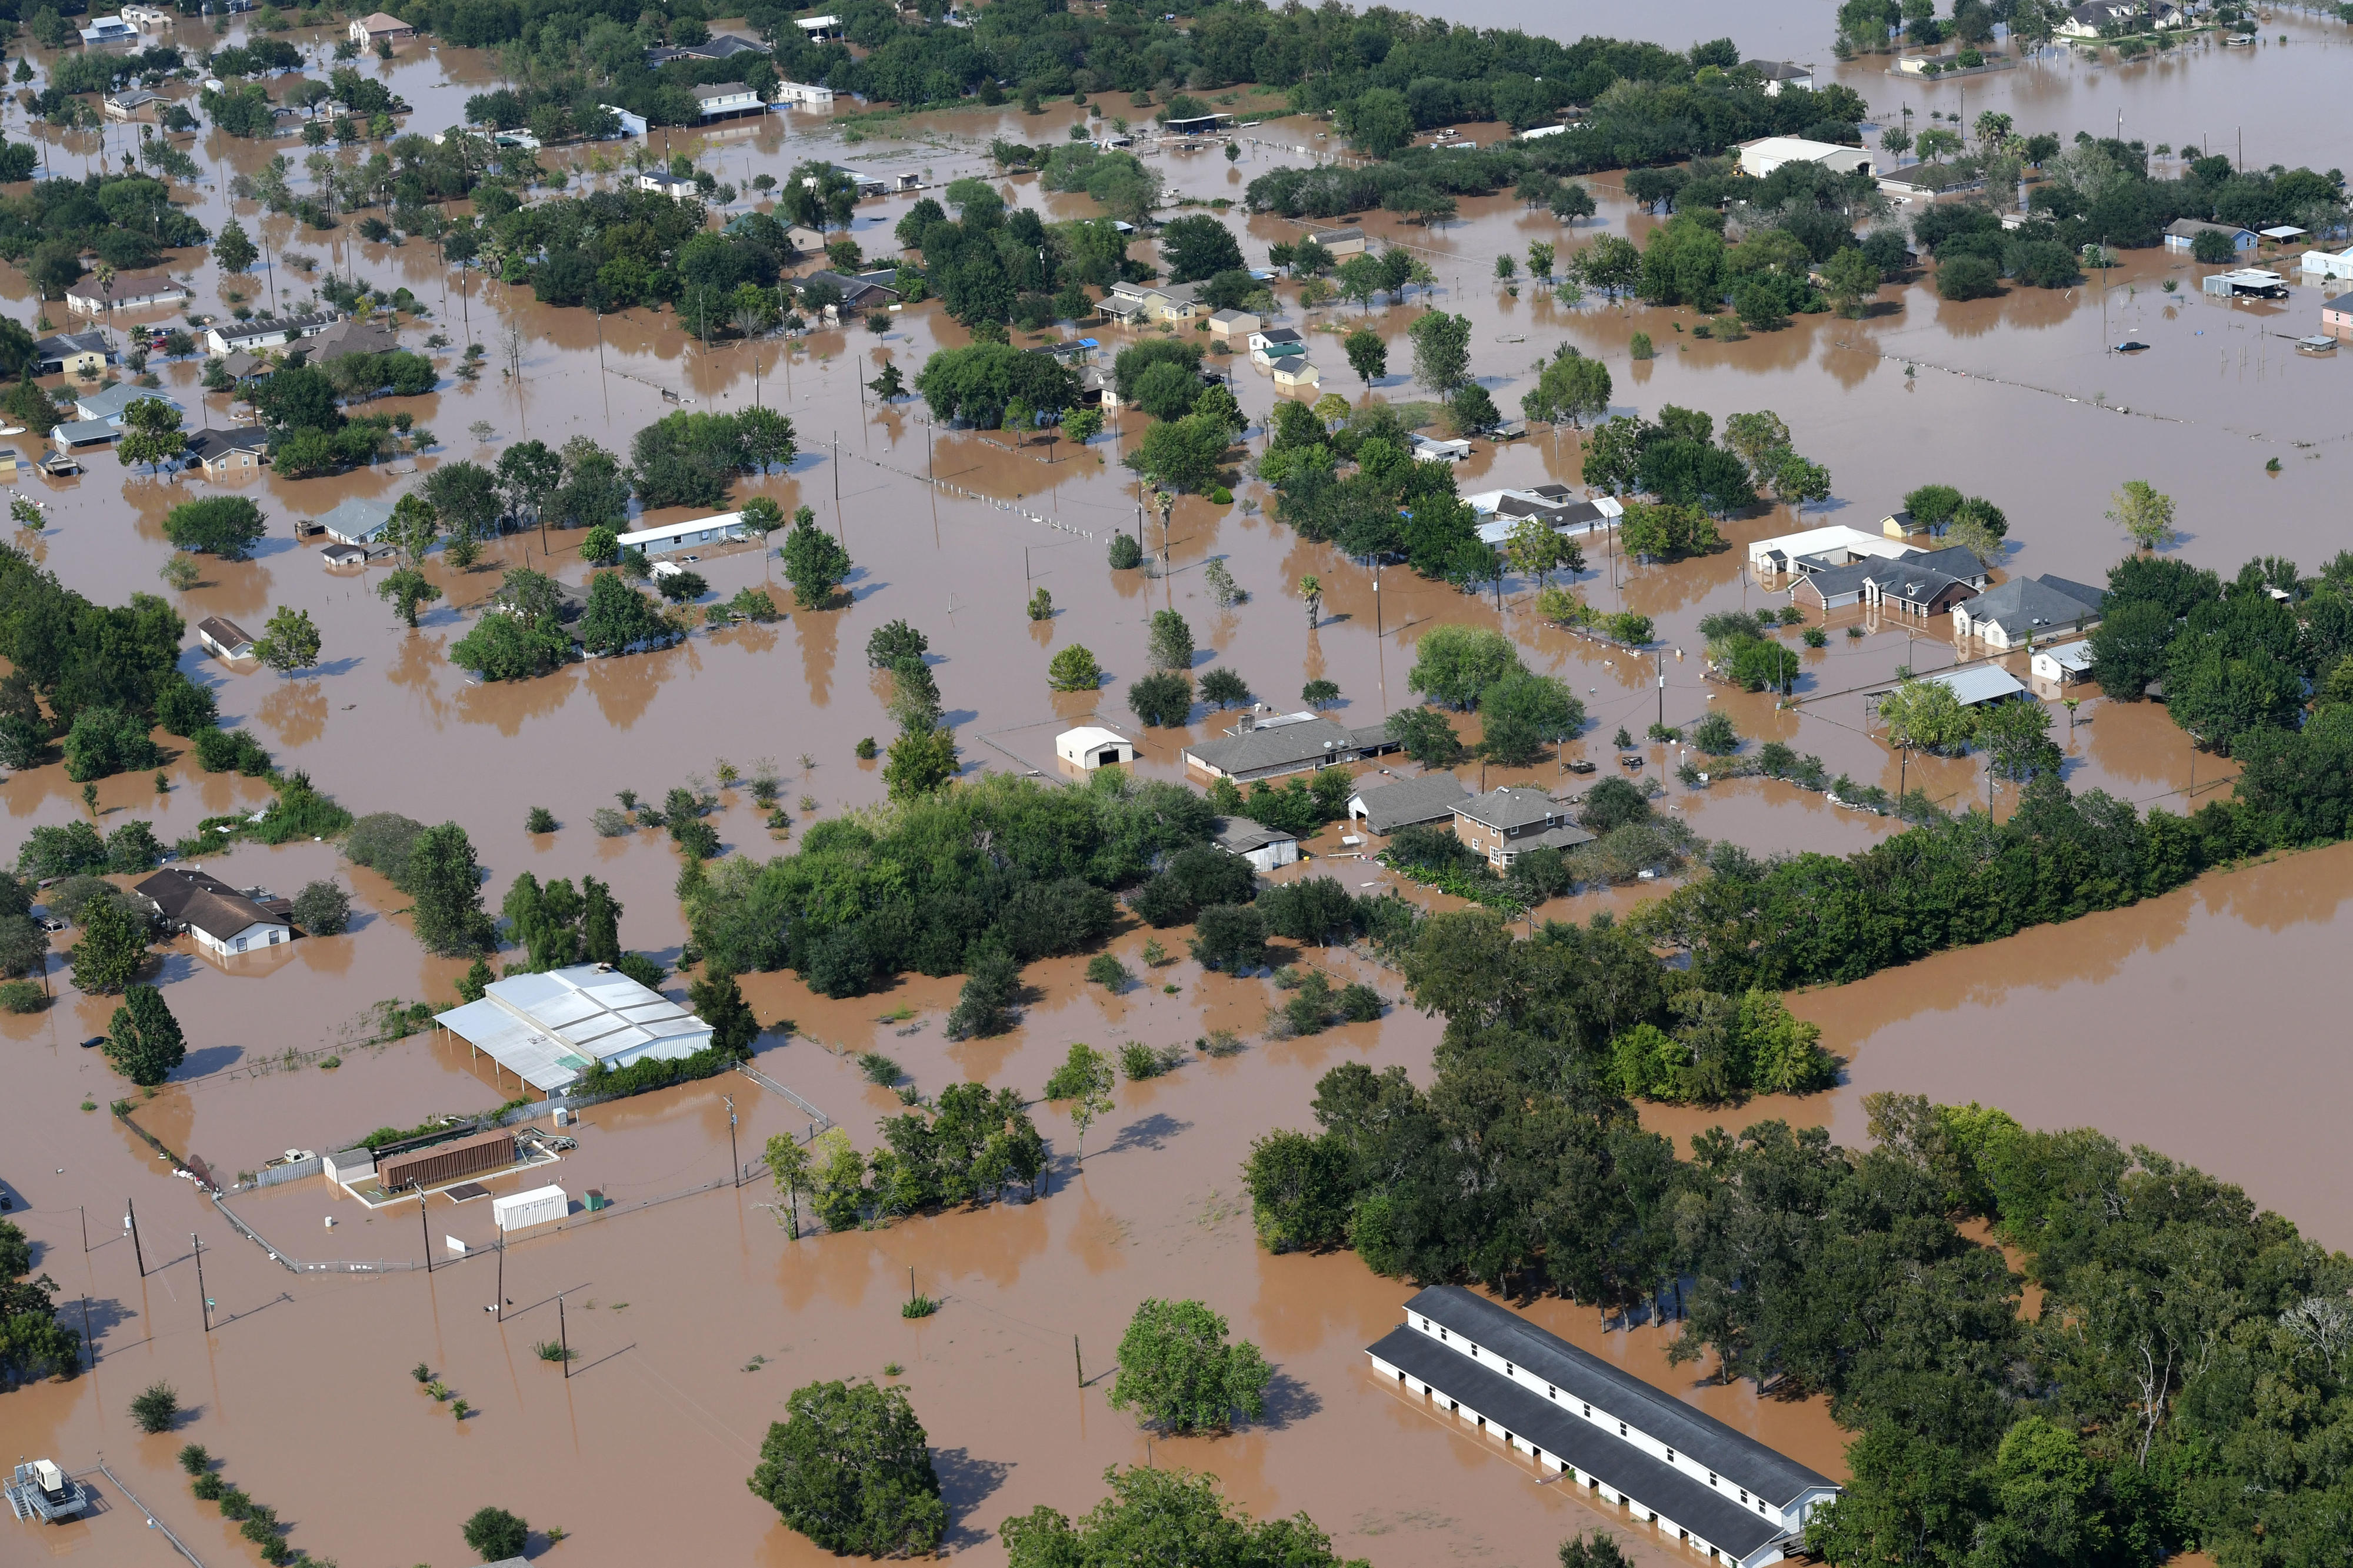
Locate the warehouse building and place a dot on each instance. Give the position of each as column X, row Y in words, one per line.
column 1718, row 1490
column 546, row 1028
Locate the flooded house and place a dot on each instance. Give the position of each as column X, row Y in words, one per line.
column 1342, row 242
column 1423, row 802
column 1919, row 582
column 112, row 403
column 1150, row 303
column 265, row 333
column 719, row 528
column 1719, row 1491
column 2025, row 608
column 1270, row 345
column 1257, row 748
column 223, row 921
column 1505, row 824
column 78, row 354
column 1556, row 506
column 726, row 101
column 224, row 638
column 1266, row 848
column 2336, row 317
column 2061, row 664
column 358, row 520
column 380, row 27
column 2182, row 234
column 718, row 47
column 126, row 291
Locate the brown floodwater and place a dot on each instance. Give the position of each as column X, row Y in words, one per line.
column 670, row 1304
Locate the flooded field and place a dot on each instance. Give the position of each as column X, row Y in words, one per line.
column 693, row 1312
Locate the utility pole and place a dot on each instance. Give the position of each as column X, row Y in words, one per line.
column 130, row 1223
column 501, row 1309
column 732, row 1157
column 1077, row 1362
column 563, row 1340
column 423, row 1229
column 199, row 1244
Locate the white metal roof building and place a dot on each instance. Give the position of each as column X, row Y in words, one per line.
column 1979, row 683
column 1840, row 544
column 1767, row 153
column 1091, row 746
column 1680, row 1468
column 546, row 1028
column 715, row 530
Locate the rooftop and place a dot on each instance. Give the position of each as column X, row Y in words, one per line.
column 1738, row 1458
column 546, row 1028
column 1286, row 743
column 189, row 895
column 1510, row 806
column 2023, row 604
column 1428, row 798
column 1241, row 835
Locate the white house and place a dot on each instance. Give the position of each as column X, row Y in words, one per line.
column 727, row 99
column 380, row 27
column 1091, row 746
column 264, row 333
column 1556, row 505
column 125, row 291
column 2319, row 263
column 1704, row 1486
column 357, row 521
column 816, row 29
column 225, row 637
column 1430, row 449
column 109, row 403
column 1767, row 153
column 1267, row 345
column 1779, row 74
column 1837, row 545
column 109, row 30
column 718, row 529
column 804, row 95
column 146, row 18
column 1342, row 243
column 1266, row 848
column 662, row 182
column 223, row 921
column 1294, row 373
column 2062, row 664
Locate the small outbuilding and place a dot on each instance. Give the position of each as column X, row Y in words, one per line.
column 1228, row 323
column 520, row 1211
column 225, row 638
column 1091, row 746
column 1264, row 848
column 2062, row 664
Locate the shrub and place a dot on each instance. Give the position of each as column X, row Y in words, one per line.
column 1073, row 668
column 1715, row 735
column 1126, row 554
column 22, row 997
column 207, row 1486
column 194, row 1460
column 850, row 1467
column 540, row 820
column 323, row 909
column 1967, row 278
column 380, row 841
column 1109, row 972
column 878, row 1068
column 496, row 1533
column 155, row 1408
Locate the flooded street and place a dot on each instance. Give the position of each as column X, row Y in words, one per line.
column 693, row 1312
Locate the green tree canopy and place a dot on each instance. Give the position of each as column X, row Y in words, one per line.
column 850, row 1467
column 1179, row 1374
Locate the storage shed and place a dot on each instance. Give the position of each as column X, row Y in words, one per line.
column 1091, row 746
column 522, row 1210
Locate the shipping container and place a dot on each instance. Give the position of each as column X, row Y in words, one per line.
column 522, row 1210
column 448, row 1162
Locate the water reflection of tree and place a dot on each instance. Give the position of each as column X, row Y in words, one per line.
column 231, row 588
column 623, row 685
column 819, row 632
column 419, row 666
column 297, row 709
column 505, row 704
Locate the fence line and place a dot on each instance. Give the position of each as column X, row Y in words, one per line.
column 177, row 1546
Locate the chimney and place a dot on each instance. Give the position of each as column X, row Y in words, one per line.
column 1249, row 721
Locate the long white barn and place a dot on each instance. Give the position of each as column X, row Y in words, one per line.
column 1718, row 1489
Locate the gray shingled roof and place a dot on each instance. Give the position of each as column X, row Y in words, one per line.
column 2023, row 604
column 1432, row 797
column 1584, row 1447
column 1509, row 807
column 1739, row 1458
column 1241, row 835
column 1289, row 745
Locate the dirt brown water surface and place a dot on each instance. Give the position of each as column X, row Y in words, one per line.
column 669, row 1298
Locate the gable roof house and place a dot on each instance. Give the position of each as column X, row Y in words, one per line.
column 1342, row 243
column 1408, row 803
column 129, row 103
column 727, row 100
column 1267, row 345
column 72, row 354
column 225, row 637
column 109, row 30
column 1918, row 582
column 1505, row 824
column 1132, row 302
column 1555, row 504
column 380, row 24
column 125, row 291
column 718, row 47
column 1260, row 748
column 224, row 920
column 358, row 520
column 2028, row 607
column 228, row 454
column 2086, row 21
column 860, row 292
column 1590, row 1422
column 1778, row 74
column 2184, row 232
column 108, row 403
